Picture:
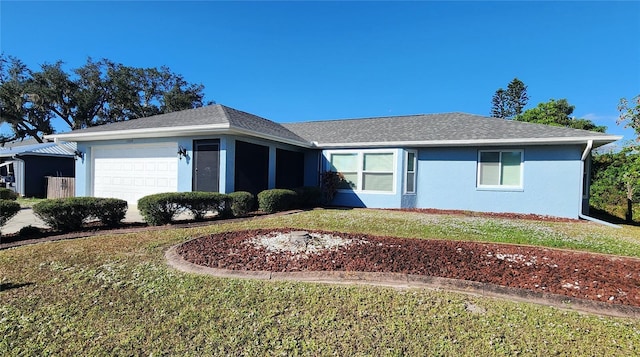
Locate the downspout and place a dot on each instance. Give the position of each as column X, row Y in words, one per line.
column 585, row 155
column 587, row 150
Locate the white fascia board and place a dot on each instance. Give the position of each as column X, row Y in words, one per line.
column 598, row 141
column 215, row 129
column 141, row 133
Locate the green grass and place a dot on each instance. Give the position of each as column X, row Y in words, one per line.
column 115, row 295
column 28, row 202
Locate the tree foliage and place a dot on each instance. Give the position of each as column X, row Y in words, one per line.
column 96, row 93
column 499, row 104
column 557, row 113
column 508, row 103
column 616, row 180
column 19, row 105
column 630, row 114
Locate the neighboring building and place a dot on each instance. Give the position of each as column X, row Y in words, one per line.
column 24, row 165
column 443, row 161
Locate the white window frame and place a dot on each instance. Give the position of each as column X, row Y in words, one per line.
column 501, row 187
column 406, row 171
column 360, row 157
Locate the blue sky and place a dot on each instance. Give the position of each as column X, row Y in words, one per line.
column 298, row 61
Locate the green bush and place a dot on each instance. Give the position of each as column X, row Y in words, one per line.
column 160, row 208
column 242, row 203
column 68, row 214
column 29, row 231
column 7, row 194
column 309, row 196
column 110, row 211
column 65, row 214
column 8, row 209
column 199, row 203
column 278, row 199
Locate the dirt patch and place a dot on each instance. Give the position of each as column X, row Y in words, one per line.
column 595, row 277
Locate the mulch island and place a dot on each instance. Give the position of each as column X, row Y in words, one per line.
column 596, row 277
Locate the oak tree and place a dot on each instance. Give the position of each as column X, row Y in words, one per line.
column 96, row 93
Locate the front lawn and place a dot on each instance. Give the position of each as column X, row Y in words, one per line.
column 114, row 295
column 28, row 202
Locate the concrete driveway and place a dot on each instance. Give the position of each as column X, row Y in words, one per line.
column 26, row 217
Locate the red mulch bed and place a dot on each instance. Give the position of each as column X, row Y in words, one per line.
column 527, row 216
column 596, row 277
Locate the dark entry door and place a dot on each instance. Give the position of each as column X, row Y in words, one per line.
column 206, row 165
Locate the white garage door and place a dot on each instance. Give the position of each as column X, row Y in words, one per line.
column 134, row 171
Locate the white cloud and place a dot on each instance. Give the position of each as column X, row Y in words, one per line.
column 600, row 119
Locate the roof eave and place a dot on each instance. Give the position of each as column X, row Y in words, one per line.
column 597, row 141
column 210, row 129
column 246, row 132
column 32, row 153
column 140, row 133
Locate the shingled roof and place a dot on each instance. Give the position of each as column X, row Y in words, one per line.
column 447, row 129
column 435, row 130
column 211, row 119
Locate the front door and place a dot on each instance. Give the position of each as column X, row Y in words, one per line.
column 206, row 165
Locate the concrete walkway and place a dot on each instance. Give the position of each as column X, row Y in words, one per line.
column 26, row 217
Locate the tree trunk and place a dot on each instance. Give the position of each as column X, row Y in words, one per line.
column 629, row 215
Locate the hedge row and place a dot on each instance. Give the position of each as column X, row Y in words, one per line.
column 7, row 194
column 8, row 209
column 68, row 214
column 162, row 208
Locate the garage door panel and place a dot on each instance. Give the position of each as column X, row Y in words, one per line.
column 133, row 172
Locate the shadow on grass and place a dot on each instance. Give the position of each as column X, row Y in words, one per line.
column 9, row 286
column 608, row 217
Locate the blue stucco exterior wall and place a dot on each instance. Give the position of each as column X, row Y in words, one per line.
column 447, row 179
column 84, row 184
column 551, row 182
column 446, row 176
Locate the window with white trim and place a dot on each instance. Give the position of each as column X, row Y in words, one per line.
column 347, row 165
column 410, row 172
column 367, row 171
column 500, row 169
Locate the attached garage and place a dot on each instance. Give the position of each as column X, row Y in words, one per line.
column 134, row 171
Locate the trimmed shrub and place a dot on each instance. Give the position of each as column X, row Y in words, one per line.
column 242, row 203
column 160, row 208
column 29, row 231
column 309, row 196
column 7, row 194
column 110, row 211
column 199, row 203
column 65, row 214
column 8, row 209
column 68, row 214
column 278, row 199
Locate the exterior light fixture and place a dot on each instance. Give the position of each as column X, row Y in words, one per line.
column 182, row 152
